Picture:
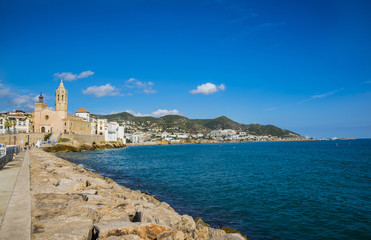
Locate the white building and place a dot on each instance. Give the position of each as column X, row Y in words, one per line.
column 21, row 122
column 164, row 134
column 134, row 138
column 84, row 114
column 101, row 126
column 111, row 133
column 182, row 135
column 222, row 133
column 121, row 134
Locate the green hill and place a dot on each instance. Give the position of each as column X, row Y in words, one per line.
column 174, row 123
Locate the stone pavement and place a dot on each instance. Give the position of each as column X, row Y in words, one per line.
column 16, row 221
column 8, row 177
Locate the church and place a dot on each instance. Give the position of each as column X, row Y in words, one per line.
column 58, row 121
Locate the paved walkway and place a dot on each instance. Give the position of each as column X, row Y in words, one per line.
column 16, row 222
column 8, row 177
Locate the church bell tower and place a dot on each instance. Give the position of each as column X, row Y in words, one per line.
column 61, row 98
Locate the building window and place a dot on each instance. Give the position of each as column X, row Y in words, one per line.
column 47, row 117
column 65, row 123
column 62, row 97
column 58, row 97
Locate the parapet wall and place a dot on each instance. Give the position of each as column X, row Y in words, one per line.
column 84, row 138
column 20, row 138
column 10, row 151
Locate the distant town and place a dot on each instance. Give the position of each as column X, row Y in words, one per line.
column 56, row 122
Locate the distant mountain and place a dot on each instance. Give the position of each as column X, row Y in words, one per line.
column 172, row 123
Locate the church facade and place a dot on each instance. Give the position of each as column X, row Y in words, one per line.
column 58, row 121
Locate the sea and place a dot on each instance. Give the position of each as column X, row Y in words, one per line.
column 266, row 190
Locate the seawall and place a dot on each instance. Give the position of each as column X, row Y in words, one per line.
column 71, row 202
column 20, row 138
column 84, row 138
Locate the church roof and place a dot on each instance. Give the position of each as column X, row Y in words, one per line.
column 82, row 110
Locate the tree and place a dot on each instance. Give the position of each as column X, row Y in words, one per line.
column 8, row 124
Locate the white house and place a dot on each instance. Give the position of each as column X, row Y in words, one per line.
column 111, row 133
column 101, row 126
column 121, row 134
column 134, row 138
column 84, row 114
column 22, row 122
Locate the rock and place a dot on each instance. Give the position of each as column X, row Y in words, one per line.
column 90, row 192
column 231, row 230
column 144, row 231
column 65, row 147
column 200, row 223
column 172, row 235
column 231, row 236
column 66, row 205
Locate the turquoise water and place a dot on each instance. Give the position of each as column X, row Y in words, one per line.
column 278, row 190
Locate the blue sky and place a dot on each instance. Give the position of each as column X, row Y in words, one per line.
column 300, row 65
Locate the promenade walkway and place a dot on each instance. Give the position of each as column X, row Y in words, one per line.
column 15, row 199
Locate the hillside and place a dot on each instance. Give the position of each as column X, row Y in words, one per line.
column 175, row 122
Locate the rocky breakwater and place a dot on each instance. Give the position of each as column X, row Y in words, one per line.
column 75, row 146
column 71, row 202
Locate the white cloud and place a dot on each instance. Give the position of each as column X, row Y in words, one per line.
column 4, row 92
column 15, row 101
column 22, row 102
column 157, row 113
column 164, row 112
column 208, row 88
column 145, row 87
column 369, row 81
column 68, row 76
column 322, row 95
column 104, row 90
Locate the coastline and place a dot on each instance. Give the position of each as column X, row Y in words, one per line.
column 219, row 142
column 76, row 146
column 71, row 202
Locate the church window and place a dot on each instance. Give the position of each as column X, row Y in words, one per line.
column 47, row 117
column 58, row 97
column 65, row 123
column 62, row 97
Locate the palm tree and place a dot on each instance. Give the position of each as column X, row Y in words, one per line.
column 8, row 124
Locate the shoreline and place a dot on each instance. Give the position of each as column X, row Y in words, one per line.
column 71, row 201
column 219, row 142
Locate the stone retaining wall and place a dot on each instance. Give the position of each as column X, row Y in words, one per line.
column 20, row 138
column 84, row 138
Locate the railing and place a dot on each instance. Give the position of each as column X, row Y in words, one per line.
column 9, row 153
